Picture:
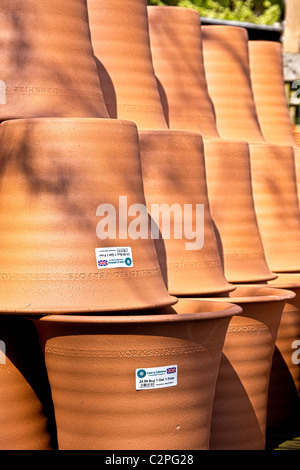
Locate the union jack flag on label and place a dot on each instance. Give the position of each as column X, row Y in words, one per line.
column 171, row 370
column 102, row 262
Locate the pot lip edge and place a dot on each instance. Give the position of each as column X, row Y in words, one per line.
column 227, row 310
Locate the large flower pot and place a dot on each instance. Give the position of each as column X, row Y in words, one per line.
column 284, row 390
column 227, row 67
column 187, row 247
column 135, row 382
column 266, row 60
column 26, row 410
column 47, row 66
column 62, row 181
column 176, row 46
column 240, row 404
column 120, row 38
column 175, row 39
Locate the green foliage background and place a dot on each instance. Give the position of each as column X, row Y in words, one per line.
column 265, row 12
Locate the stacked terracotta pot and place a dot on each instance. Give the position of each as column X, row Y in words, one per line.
column 110, row 339
column 266, row 60
column 184, row 78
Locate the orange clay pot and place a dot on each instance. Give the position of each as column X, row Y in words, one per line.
column 284, row 391
column 226, row 60
column 276, row 203
column 266, row 61
column 240, row 403
column 47, row 67
column 175, row 36
column 56, row 173
column 93, row 364
column 266, row 72
column 26, row 409
column 120, row 37
column 175, row 39
column 190, row 266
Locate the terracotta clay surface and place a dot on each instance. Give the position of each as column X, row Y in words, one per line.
column 47, row 66
column 175, row 38
column 120, row 38
column 226, row 59
column 276, row 203
column 266, row 73
column 190, row 263
column 92, row 362
column 240, row 404
column 176, row 46
column 266, row 60
column 56, row 173
column 26, row 410
column 284, row 392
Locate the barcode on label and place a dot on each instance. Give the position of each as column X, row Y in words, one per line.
column 151, row 384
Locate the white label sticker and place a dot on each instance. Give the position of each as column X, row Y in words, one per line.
column 156, row 377
column 120, row 257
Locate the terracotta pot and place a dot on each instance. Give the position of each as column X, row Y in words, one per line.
column 233, row 211
column 56, row 174
column 93, row 365
column 120, row 38
column 188, row 253
column 226, row 61
column 273, row 172
column 240, row 403
column 26, row 409
column 47, row 63
column 176, row 45
column 266, row 72
column 276, row 203
column 266, row 60
column 175, row 39
column 284, row 390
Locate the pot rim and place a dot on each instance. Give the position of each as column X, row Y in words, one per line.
column 262, row 293
column 222, row 310
column 72, row 119
column 66, row 311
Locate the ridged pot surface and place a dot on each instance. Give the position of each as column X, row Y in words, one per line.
column 120, row 38
column 284, row 391
column 175, row 38
column 273, row 169
column 60, row 178
column 190, row 264
column 276, row 203
column 230, row 193
column 93, row 364
column 176, row 45
column 240, row 403
column 47, row 66
column 266, row 71
column 226, row 61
